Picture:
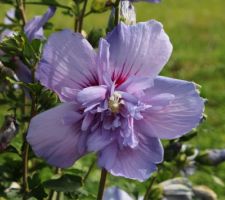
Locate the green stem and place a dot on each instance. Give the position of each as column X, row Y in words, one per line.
column 25, row 154
column 76, row 13
column 25, row 169
column 102, row 184
column 89, row 171
column 88, row 13
column 52, row 192
column 81, row 18
column 116, row 6
column 146, row 197
column 20, row 5
column 76, row 24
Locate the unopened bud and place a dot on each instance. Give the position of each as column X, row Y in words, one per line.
column 7, row 132
column 203, row 192
column 176, row 189
column 212, row 157
column 127, row 13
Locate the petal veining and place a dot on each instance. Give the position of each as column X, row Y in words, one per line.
column 68, row 61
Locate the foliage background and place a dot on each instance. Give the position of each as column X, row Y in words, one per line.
column 196, row 29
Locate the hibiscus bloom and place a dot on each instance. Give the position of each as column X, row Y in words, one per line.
column 33, row 30
column 115, row 103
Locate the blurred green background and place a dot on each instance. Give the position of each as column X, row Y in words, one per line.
column 197, row 31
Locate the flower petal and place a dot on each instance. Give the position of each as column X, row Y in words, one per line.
column 136, row 84
column 54, row 138
column 173, row 115
column 10, row 15
column 142, row 49
column 99, row 139
column 103, row 63
column 22, row 71
column 68, row 61
column 91, row 95
column 33, row 28
column 137, row 163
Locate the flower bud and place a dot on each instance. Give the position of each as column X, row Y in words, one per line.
column 203, row 192
column 7, row 132
column 212, row 157
column 177, row 188
column 127, row 14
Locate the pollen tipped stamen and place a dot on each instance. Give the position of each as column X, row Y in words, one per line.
column 115, row 102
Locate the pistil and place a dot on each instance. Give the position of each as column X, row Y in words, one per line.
column 115, row 102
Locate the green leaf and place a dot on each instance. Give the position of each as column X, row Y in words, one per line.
column 66, row 183
column 81, row 193
column 36, row 88
column 16, row 143
column 5, row 58
column 38, row 192
column 188, row 137
column 156, row 193
column 46, row 100
column 34, row 181
column 13, row 45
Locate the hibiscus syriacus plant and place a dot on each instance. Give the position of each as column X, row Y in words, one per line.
column 114, row 102
column 96, row 93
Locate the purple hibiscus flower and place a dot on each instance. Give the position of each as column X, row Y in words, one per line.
column 114, row 102
column 33, row 30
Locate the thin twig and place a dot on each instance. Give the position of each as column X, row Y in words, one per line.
column 149, row 188
column 88, row 13
column 25, row 143
column 77, row 15
column 89, row 171
column 26, row 152
column 52, row 192
column 81, row 18
column 102, row 184
column 76, row 24
column 58, row 195
column 25, row 169
column 116, row 6
column 20, row 4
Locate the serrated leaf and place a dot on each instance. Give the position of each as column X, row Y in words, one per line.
column 66, row 183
